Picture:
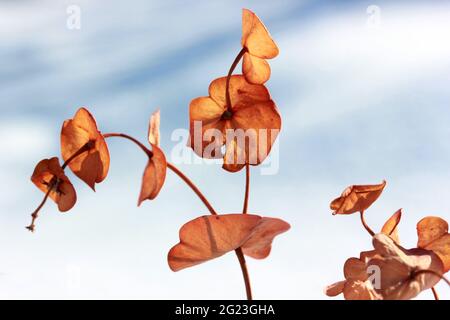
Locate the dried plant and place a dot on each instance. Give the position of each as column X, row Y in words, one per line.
column 236, row 103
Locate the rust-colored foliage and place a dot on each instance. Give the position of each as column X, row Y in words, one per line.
column 399, row 273
column 155, row 171
column 81, row 132
column 252, row 111
column 404, row 273
column 260, row 46
column 357, row 285
column 209, row 237
column 390, row 226
column 433, row 235
column 49, row 177
column 357, row 198
column 238, row 114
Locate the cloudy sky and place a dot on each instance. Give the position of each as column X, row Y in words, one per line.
column 364, row 96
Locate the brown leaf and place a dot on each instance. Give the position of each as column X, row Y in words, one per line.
column 335, row 289
column 248, row 131
column 433, row 235
column 48, row 174
column 153, row 128
column 90, row 166
column 401, row 270
column 357, row 198
column 256, row 38
column 259, row 244
column 359, row 290
column 255, row 70
column 355, row 269
column 390, row 226
column 212, row 236
column 154, row 175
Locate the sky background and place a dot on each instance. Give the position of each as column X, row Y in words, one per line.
column 361, row 102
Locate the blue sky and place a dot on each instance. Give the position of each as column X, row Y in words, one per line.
column 359, row 104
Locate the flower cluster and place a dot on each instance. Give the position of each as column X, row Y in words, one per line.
column 235, row 102
column 391, row 272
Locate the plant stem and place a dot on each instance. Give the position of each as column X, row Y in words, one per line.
column 243, row 264
column 126, row 136
column 86, row 147
column 193, row 187
column 35, row 213
column 363, row 221
column 54, row 182
column 228, row 115
column 230, row 72
column 183, row 177
column 247, row 188
column 435, row 294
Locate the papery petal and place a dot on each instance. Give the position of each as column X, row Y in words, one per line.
column 153, row 128
column 355, row 269
column 209, row 237
column 256, row 128
column 91, row 166
column 43, row 176
column 399, row 268
column 357, row 198
column 154, row 175
column 335, row 289
column 433, row 235
column 255, row 36
column 359, row 290
column 390, row 226
column 259, row 244
column 255, row 70
column 242, row 93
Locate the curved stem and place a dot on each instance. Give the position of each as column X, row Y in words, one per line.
column 247, row 188
column 435, row 294
column 169, row 165
column 174, row 169
column 126, row 136
column 241, row 258
column 35, row 213
column 86, row 147
column 192, row 186
column 363, row 221
column 230, row 72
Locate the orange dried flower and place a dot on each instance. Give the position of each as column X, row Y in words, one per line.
column 92, row 165
column 404, row 273
column 49, row 177
column 155, row 171
column 260, row 46
column 357, row 198
column 212, row 236
column 247, row 129
column 357, row 285
column 433, row 235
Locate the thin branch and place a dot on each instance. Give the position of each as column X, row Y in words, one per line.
column 243, row 264
column 35, row 213
column 193, row 187
column 230, row 72
column 247, row 188
column 363, row 221
column 126, row 136
column 435, row 294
